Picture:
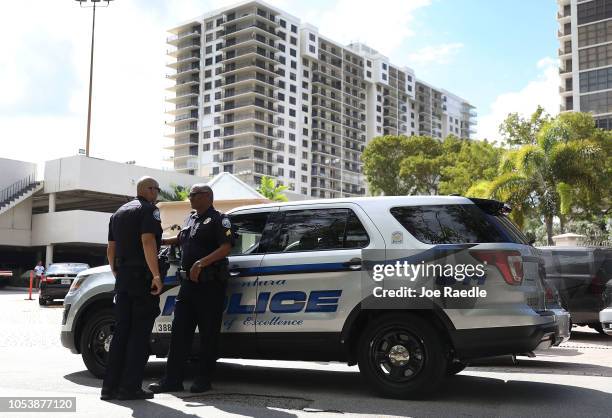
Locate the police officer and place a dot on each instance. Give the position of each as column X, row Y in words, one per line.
column 206, row 240
column 134, row 237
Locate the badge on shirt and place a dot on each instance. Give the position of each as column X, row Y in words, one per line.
column 226, row 223
column 207, row 220
column 156, row 215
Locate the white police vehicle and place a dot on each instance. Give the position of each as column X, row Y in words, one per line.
column 295, row 291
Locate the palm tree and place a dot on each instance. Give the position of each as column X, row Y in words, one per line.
column 270, row 190
column 544, row 176
column 177, row 194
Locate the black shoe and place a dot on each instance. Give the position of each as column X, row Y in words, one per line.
column 161, row 387
column 108, row 394
column 199, row 387
column 138, row 394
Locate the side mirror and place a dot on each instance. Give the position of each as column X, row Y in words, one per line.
column 531, row 238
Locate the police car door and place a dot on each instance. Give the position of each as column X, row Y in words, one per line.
column 238, row 325
column 310, row 276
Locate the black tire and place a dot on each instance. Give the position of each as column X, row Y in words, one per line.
column 455, row 367
column 95, row 341
column 419, row 362
column 42, row 301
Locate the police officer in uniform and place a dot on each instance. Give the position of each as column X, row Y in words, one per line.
column 134, row 237
column 206, row 240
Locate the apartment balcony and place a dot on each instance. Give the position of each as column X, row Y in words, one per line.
column 565, row 71
column 565, row 92
column 185, row 153
column 192, row 81
column 188, row 34
column 563, row 34
column 563, row 17
column 255, row 23
column 564, row 54
column 186, row 59
column 256, row 142
column 180, row 107
column 252, row 78
column 241, row 118
column 190, row 141
column 184, row 94
column 246, row 41
column 252, row 52
column 190, row 163
column 251, row 65
column 184, row 118
column 252, row 91
column 247, row 104
column 184, row 48
column 251, row 131
column 185, row 70
column 187, row 129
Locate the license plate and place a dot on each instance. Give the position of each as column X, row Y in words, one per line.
column 66, row 281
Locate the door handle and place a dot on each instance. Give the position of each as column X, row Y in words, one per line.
column 353, row 263
column 234, row 273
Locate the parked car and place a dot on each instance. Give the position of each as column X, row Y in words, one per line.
column 580, row 275
column 5, row 276
column 295, row 291
column 57, row 279
column 605, row 316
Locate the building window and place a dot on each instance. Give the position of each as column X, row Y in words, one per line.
column 293, row 28
column 312, row 37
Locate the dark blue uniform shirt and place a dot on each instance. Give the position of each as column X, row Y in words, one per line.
column 126, row 227
column 203, row 234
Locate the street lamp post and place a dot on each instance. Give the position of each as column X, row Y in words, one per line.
column 93, row 29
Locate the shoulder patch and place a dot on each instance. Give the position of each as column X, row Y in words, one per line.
column 226, row 222
column 156, row 215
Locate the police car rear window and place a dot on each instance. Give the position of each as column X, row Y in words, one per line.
column 453, row 224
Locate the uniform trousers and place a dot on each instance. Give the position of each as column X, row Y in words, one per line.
column 135, row 313
column 201, row 305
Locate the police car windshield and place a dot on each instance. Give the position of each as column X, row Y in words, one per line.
column 70, row 268
column 456, row 224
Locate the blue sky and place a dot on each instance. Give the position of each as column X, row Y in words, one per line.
column 499, row 55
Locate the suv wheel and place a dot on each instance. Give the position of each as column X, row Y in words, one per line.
column 42, row 301
column 401, row 356
column 95, row 341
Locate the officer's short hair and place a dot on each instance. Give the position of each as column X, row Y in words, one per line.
column 144, row 183
column 202, row 187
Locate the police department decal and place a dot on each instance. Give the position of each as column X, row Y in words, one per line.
column 207, row 220
column 226, row 223
column 156, row 215
column 397, row 237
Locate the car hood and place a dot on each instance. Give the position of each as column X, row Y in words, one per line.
column 95, row 270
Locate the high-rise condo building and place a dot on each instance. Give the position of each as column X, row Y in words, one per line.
column 585, row 55
column 258, row 92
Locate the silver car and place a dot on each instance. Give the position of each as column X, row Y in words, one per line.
column 301, row 280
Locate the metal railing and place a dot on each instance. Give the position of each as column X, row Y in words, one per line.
column 16, row 189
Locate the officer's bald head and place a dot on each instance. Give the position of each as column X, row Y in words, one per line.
column 148, row 188
column 201, row 197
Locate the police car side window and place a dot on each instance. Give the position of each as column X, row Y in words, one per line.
column 318, row 230
column 248, row 229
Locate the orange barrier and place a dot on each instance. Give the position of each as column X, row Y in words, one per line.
column 31, row 279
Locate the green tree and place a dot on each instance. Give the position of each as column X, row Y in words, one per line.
column 401, row 165
column 543, row 176
column 176, row 194
column 270, row 190
column 465, row 163
column 517, row 131
column 382, row 159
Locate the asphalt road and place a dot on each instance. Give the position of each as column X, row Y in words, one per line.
column 573, row 380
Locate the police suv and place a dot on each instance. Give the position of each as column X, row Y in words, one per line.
column 296, row 291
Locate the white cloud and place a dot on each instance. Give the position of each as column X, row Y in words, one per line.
column 384, row 25
column 435, row 54
column 543, row 91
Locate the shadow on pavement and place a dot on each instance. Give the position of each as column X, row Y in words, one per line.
column 253, row 390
